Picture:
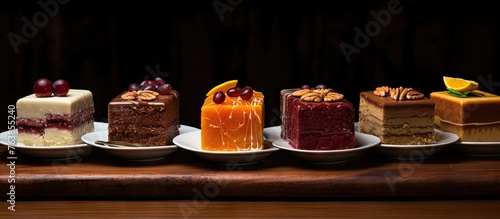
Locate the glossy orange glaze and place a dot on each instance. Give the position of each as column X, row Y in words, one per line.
column 234, row 125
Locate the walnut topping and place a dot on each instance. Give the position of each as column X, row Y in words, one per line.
column 147, row 95
column 144, row 95
column 332, row 96
column 398, row 93
column 318, row 95
column 131, row 95
column 311, row 97
column 381, row 91
column 414, row 95
column 301, row 92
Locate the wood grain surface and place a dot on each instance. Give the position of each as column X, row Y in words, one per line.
column 255, row 209
column 184, row 175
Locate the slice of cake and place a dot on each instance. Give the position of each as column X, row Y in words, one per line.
column 149, row 117
column 316, row 119
column 397, row 116
column 55, row 120
column 232, row 119
column 470, row 114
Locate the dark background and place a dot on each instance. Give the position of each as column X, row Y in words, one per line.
column 269, row 45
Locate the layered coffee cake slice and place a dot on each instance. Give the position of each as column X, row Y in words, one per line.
column 400, row 116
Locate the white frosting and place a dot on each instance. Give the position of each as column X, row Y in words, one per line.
column 33, row 107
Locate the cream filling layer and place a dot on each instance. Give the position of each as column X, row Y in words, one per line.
column 55, row 136
column 470, row 124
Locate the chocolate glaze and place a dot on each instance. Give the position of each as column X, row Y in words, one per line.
column 387, row 102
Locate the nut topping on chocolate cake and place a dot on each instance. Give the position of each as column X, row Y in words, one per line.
column 147, row 95
column 131, row 95
column 318, row 95
column 398, row 93
column 140, row 95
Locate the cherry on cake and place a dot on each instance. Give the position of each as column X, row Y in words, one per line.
column 316, row 119
column 401, row 116
column 232, row 118
column 146, row 114
column 46, row 119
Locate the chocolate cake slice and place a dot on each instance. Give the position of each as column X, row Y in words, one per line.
column 312, row 121
column 149, row 121
column 55, row 121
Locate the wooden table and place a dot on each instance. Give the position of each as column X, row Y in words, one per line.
column 444, row 185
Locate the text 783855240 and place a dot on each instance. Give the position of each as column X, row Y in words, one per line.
column 11, row 158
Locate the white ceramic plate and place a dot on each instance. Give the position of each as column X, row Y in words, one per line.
column 417, row 152
column 136, row 154
column 192, row 142
column 52, row 153
column 362, row 142
column 478, row 149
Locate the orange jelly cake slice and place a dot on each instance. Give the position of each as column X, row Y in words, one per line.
column 232, row 118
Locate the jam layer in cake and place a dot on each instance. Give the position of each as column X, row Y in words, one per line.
column 313, row 125
column 404, row 122
column 55, row 121
column 150, row 122
column 473, row 119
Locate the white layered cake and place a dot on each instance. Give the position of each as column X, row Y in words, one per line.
column 55, row 120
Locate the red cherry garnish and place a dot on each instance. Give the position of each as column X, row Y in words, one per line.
column 134, row 87
column 247, row 93
column 61, row 87
column 234, row 92
column 159, row 81
column 321, row 86
column 149, row 87
column 164, row 89
column 219, row 97
column 43, row 87
column 147, row 83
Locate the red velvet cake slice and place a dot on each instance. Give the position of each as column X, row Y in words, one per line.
column 316, row 119
column 55, row 120
column 144, row 117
